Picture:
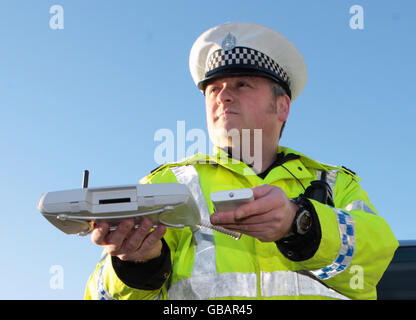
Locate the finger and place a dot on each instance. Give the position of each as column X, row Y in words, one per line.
column 260, row 218
column 261, row 191
column 136, row 237
column 116, row 238
column 256, row 207
column 227, row 217
column 99, row 233
column 151, row 246
column 266, row 198
column 223, row 217
column 153, row 238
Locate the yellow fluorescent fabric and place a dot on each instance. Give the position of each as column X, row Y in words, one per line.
column 355, row 249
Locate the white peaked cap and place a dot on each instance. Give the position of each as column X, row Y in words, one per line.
column 240, row 48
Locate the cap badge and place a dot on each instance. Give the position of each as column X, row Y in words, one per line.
column 229, row 42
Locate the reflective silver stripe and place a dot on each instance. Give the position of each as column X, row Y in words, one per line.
column 206, row 283
column 346, row 227
column 102, row 293
column 212, row 286
column 273, row 284
column 331, row 178
column 204, row 270
column 189, row 176
column 290, row 283
column 359, row 205
column 318, row 174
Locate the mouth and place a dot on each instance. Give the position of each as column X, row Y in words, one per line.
column 225, row 113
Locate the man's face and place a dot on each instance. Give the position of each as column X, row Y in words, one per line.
column 243, row 102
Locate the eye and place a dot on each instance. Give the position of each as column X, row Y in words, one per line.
column 212, row 90
column 242, row 84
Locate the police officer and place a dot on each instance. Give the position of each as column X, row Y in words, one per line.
column 310, row 224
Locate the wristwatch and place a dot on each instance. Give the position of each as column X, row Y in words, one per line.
column 302, row 222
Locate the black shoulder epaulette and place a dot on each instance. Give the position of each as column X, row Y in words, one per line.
column 155, row 169
column 349, row 170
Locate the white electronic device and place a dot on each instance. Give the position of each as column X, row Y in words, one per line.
column 231, row 199
column 75, row 211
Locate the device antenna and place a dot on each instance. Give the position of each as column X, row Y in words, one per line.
column 85, row 178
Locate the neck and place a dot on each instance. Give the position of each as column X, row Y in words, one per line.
column 259, row 162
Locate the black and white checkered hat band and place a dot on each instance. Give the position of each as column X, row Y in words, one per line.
column 245, row 58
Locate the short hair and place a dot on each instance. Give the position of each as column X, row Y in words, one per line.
column 277, row 91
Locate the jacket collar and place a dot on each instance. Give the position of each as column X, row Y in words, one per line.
column 290, row 164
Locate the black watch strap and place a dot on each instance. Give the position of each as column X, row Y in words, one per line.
column 299, row 247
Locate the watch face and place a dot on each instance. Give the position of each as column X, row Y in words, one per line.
column 304, row 222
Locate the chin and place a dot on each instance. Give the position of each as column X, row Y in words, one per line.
column 230, row 126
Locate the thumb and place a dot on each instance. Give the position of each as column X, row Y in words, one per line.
column 261, row 191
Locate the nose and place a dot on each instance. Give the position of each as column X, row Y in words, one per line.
column 225, row 96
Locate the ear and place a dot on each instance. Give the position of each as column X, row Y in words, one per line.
column 283, row 103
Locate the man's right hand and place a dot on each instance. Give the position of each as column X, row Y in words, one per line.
column 128, row 243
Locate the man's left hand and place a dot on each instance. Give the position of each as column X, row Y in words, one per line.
column 268, row 217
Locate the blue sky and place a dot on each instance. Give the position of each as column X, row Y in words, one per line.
column 93, row 94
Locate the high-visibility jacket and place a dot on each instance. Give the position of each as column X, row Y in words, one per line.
column 355, row 249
